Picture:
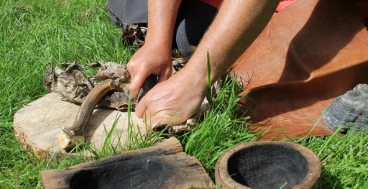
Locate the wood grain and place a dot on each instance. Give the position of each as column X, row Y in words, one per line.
column 162, row 166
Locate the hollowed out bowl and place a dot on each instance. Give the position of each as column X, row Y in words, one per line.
column 267, row 165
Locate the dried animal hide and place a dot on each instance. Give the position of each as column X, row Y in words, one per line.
column 179, row 63
column 74, row 86
column 133, row 34
column 116, row 72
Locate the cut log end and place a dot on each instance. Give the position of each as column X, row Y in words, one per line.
column 162, row 166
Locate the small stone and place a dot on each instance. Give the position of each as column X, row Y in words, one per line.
column 349, row 111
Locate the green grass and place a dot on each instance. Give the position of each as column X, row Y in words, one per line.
column 34, row 33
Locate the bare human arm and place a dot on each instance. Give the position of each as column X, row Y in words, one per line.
column 236, row 26
column 155, row 55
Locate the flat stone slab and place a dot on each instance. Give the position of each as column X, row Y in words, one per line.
column 38, row 125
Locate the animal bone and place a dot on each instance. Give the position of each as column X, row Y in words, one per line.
column 69, row 136
column 75, row 87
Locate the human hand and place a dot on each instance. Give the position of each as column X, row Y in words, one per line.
column 150, row 59
column 172, row 101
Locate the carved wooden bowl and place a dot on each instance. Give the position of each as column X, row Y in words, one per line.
column 268, row 165
column 162, row 166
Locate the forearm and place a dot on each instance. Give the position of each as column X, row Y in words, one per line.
column 155, row 55
column 161, row 21
column 235, row 27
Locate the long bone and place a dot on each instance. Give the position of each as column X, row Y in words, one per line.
column 70, row 136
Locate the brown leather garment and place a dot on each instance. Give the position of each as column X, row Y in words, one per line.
column 362, row 8
column 310, row 53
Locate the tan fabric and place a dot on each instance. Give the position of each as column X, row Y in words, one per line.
column 310, row 53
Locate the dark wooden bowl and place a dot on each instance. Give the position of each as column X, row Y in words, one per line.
column 268, row 165
column 162, row 166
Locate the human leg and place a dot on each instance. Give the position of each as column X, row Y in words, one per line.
column 194, row 18
column 129, row 11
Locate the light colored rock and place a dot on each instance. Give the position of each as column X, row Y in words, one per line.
column 37, row 125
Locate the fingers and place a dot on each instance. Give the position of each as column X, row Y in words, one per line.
column 165, row 75
column 154, row 118
column 165, row 117
column 137, row 81
column 150, row 119
column 139, row 78
column 141, row 108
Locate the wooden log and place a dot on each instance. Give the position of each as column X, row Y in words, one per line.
column 268, row 164
column 162, row 166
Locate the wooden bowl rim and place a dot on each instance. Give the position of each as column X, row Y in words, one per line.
column 314, row 164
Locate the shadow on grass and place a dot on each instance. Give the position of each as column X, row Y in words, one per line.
column 328, row 180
